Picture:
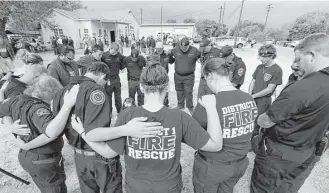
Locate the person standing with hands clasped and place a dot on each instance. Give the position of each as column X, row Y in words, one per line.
column 220, row 171
column 153, row 164
column 265, row 79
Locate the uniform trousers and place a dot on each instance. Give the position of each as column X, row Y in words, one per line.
column 114, row 87
column 96, row 173
column 279, row 168
column 46, row 170
column 184, row 89
column 263, row 105
column 134, row 87
column 211, row 176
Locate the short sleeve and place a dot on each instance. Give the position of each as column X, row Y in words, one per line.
column 14, row 92
column 200, row 115
column 5, row 108
column 255, row 73
column 277, row 77
column 117, row 145
column 288, row 104
column 142, row 62
column 193, row 134
column 53, row 72
column 97, row 110
column 239, row 72
column 41, row 117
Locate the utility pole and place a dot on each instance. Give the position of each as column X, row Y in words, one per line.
column 268, row 10
column 141, row 16
column 238, row 30
column 223, row 14
column 220, row 19
column 161, row 23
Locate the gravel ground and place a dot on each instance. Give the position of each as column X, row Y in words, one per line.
column 316, row 183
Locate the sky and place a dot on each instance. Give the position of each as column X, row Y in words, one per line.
column 283, row 12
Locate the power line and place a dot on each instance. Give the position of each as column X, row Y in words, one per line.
column 234, row 11
column 268, row 10
column 236, row 35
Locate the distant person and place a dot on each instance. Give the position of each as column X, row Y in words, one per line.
column 54, row 45
column 143, row 45
column 71, row 42
column 85, row 61
column 127, row 41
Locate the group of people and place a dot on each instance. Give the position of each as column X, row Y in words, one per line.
column 288, row 135
column 58, row 42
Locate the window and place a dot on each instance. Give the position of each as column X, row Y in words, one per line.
column 60, row 32
column 100, row 32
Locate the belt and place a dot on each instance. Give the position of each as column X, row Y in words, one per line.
column 185, row 74
column 47, row 155
column 83, row 152
column 217, row 161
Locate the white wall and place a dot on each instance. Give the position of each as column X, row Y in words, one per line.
column 154, row 30
column 129, row 18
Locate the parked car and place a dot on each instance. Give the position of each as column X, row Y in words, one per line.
column 223, row 41
column 292, row 43
column 197, row 39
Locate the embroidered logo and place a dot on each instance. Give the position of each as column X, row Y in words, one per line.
column 240, row 71
column 42, row 111
column 267, row 77
column 97, row 97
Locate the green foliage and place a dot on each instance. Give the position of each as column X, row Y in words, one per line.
column 189, row 20
column 210, row 28
column 246, row 28
column 171, row 21
column 309, row 23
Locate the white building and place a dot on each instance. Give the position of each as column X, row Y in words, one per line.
column 94, row 23
column 187, row 29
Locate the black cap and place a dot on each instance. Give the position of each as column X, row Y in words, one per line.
column 205, row 42
column 226, row 51
column 184, row 41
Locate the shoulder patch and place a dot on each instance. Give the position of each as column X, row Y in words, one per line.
column 42, row 111
column 240, row 71
column 267, row 77
column 97, row 97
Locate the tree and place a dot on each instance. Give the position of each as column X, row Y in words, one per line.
column 189, row 20
column 28, row 15
column 310, row 23
column 249, row 30
column 277, row 34
column 171, row 21
column 210, row 28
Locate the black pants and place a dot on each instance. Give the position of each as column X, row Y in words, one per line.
column 184, row 89
column 203, row 88
column 134, row 185
column 166, row 100
column 213, row 176
column 133, row 87
column 96, row 174
column 47, row 171
column 263, row 104
column 115, row 88
column 276, row 166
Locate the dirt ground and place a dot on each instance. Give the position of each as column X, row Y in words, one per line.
column 316, row 183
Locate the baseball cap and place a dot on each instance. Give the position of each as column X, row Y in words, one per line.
column 205, row 42
column 184, row 41
column 226, row 51
column 159, row 45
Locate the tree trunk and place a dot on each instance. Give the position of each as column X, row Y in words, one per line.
column 3, row 22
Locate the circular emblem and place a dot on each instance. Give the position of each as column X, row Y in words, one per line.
column 267, row 77
column 97, row 97
column 240, row 71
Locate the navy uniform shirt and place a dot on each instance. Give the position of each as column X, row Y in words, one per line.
column 134, row 68
column 37, row 115
column 84, row 62
column 92, row 107
column 237, row 112
column 165, row 60
column 63, row 71
column 115, row 63
column 213, row 53
column 15, row 87
column 300, row 112
column 158, row 158
column 264, row 76
column 185, row 61
column 238, row 71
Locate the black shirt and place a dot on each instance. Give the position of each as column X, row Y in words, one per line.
column 300, row 112
column 15, row 87
column 185, row 61
column 114, row 62
column 37, row 115
column 238, row 71
column 165, row 60
column 135, row 67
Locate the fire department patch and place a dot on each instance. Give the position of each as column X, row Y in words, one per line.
column 97, row 97
column 240, row 71
column 72, row 73
column 42, row 111
column 267, row 77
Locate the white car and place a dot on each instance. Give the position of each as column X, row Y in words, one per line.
column 223, row 41
column 293, row 44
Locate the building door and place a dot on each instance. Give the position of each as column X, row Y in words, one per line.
column 112, row 34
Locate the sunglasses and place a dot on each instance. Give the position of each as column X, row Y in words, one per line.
column 265, row 53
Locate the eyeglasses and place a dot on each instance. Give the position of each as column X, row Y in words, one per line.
column 265, row 53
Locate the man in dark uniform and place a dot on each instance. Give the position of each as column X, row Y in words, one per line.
column 64, row 67
column 40, row 151
column 98, row 166
column 295, row 124
column 207, row 52
column 237, row 69
column 265, row 80
column 165, row 60
column 87, row 60
column 116, row 62
column 185, row 61
column 54, row 44
column 71, row 42
column 65, row 41
column 135, row 64
column 151, row 45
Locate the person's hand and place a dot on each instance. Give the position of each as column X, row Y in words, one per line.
column 70, row 97
column 7, row 76
column 77, row 124
column 17, row 128
column 208, row 101
column 4, row 86
column 20, row 143
column 139, row 128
